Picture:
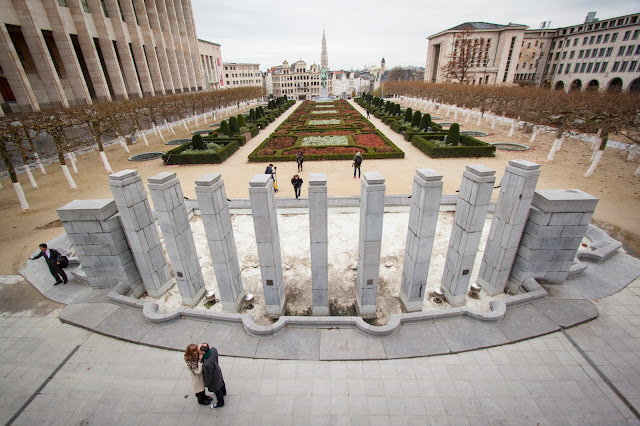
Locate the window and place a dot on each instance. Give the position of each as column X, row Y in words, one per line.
column 566, row 71
column 609, row 51
column 614, row 37
column 576, row 68
column 638, row 50
column 62, row 3
column 575, row 42
column 583, row 66
column 626, row 36
column 594, row 52
column 629, row 50
column 121, row 12
column 601, row 53
column 633, row 65
column 604, row 67
column 586, row 53
column 581, row 54
column 606, row 38
column 621, row 50
column 596, row 67
column 636, row 34
column 564, row 55
column 589, row 67
column 616, row 65
column 557, row 55
column 599, row 39
column 85, row 6
column 560, row 68
column 623, row 68
column 104, row 9
column 559, row 44
column 572, row 54
column 592, row 39
column 553, row 45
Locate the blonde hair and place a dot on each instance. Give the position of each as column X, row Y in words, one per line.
column 191, row 353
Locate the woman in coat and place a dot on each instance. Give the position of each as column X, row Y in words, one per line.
column 192, row 359
column 296, row 181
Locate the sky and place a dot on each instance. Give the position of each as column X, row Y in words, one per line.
column 361, row 33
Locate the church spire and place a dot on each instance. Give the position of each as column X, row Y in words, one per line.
column 324, row 58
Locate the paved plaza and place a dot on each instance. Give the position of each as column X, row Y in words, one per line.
column 54, row 373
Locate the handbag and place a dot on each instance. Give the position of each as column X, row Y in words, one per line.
column 64, row 261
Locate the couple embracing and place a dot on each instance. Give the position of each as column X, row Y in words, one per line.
column 204, row 371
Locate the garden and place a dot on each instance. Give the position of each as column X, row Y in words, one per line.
column 330, row 130
column 221, row 143
column 426, row 135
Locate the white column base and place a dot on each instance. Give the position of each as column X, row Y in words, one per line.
column 454, row 300
column 415, row 306
column 233, row 305
column 365, row 311
column 320, row 311
column 276, row 310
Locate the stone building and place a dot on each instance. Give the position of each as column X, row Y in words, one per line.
column 595, row 55
column 211, row 61
column 57, row 53
column 297, row 81
column 242, row 75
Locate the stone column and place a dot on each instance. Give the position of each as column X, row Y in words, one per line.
column 370, row 240
column 319, row 243
column 557, row 222
column 214, row 208
column 265, row 222
column 140, row 229
column 95, row 232
column 168, row 202
column 423, row 217
column 471, row 211
column 512, row 209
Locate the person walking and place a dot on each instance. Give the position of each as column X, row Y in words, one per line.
column 53, row 258
column 367, row 113
column 357, row 161
column 271, row 170
column 296, row 181
column 299, row 159
column 193, row 361
column 212, row 374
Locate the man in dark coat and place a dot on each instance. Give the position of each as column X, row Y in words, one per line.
column 212, row 374
column 52, row 257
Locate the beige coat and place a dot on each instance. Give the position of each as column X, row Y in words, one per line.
column 197, row 382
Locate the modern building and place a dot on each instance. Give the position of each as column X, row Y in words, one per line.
column 57, row 53
column 595, row 55
column 242, row 75
column 211, row 61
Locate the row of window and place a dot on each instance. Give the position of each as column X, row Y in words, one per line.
column 85, row 7
column 244, row 82
column 243, row 74
column 602, row 25
column 602, row 52
column 597, row 67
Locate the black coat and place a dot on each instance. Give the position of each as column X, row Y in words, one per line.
column 296, row 183
column 52, row 260
column 212, row 373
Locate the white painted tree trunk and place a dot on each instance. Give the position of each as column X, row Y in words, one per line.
column 493, row 122
column 479, row 123
column 1, row 187
column 21, row 197
column 144, row 138
column 204, row 117
column 448, row 111
column 168, row 126
column 65, row 171
column 27, row 170
column 195, row 118
column 533, row 135
column 594, row 164
column 513, row 128
column 637, row 173
column 468, row 116
column 554, row 148
column 594, row 148
column 455, row 114
column 105, row 161
column 560, row 144
column 155, row 128
column 39, row 163
column 73, row 162
column 184, row 123
column 123, row 143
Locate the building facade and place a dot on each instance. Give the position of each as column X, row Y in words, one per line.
column 211, row 62
column 596, row 55
column 57, row 53
column 297, row 81
column 242, row 75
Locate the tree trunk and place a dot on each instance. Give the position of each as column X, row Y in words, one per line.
column 27, row 170
column 39, row 163
column 14, row 177
column 448, row 110
column 184, row 123
column 513, row 128
column 455, row 114
column 65, row 171
column 554, row 149
column 21, row 198
column 637, row 173
column 105, row 162
column 73, row 162
column 169, row 127
column 142, row 136
column 479, row 123
column 595, row 163
column 123, row 143
column 493, row 122
column 534, row 134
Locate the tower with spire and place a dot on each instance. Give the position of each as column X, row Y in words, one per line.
column 324, row 57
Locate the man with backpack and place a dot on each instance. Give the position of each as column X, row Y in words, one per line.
column 357, row 161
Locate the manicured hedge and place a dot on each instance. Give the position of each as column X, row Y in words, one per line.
column 468, row 147
column 175, row 156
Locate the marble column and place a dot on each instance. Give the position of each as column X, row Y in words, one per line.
column 423, row 218
column 140, row 229
column 265, row 222
column 168, row 203
column 471, row 211
column 319, row 243
column 370, row 241
column 214, row 208
column 512, row 209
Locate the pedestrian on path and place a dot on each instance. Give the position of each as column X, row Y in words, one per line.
column 299, row 159
column 357, row 161
column 296, row 181
column 367, row 113
column 212, row 373
column 54, row 262
column 193, row 361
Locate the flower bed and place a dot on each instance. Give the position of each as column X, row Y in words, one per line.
column 325, row 139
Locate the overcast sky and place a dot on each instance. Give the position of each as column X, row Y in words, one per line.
column 361, row 33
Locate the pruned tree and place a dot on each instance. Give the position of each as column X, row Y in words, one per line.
column 467, row 51
column 10, row 138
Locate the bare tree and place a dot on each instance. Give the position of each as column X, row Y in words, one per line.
column 467, row 51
